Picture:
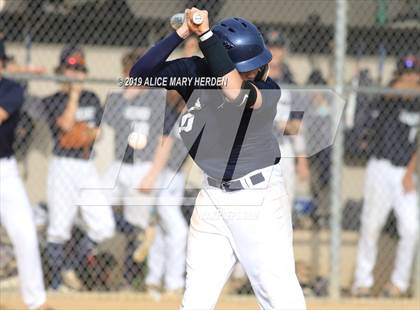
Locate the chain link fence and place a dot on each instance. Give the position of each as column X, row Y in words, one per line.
column 114, row 248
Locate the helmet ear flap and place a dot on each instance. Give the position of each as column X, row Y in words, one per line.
column 262, row 74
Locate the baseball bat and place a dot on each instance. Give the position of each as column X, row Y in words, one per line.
column 178, row 19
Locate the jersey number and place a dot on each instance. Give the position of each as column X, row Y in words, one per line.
column 186, row 122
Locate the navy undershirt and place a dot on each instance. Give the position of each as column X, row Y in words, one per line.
column 11, row 100
column 395, row 129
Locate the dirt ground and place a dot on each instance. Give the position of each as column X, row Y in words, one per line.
column 137, row 301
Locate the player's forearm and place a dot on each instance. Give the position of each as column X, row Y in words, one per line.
column 17, row 68
column 412, row 164
column 292, row 127
column 3, row 115
column 156, row 56
column 68, row 118
column 162, row 153
column 222, row 66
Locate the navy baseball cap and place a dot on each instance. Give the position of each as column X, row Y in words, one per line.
column 409, row 62
column 316, row 78
column 276, row 38
column 72, row 57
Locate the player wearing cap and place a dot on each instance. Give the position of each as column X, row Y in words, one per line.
column 242, row 213
column 394, row 144
column 288, row 121
column 15, row 211
column 73, row 115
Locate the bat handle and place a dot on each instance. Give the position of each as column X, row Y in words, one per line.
column 178, row 19
column 197, row 19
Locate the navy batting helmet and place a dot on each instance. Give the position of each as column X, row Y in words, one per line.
column 243, row 42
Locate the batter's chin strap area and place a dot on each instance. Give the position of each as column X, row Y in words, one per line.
column 262, row 73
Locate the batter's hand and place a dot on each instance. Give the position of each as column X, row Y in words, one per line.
column 147, row 183
column 183, row 31
column 302, row 168
column 77, row 87
column 408, row 183
column 197, row 29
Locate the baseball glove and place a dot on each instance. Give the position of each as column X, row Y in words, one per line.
column 80, row 136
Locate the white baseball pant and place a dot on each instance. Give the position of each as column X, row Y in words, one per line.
column 383, row 192
column 122, row 187
column 288, row 164
column 288, row 170
column 167, row 253
column 74, row 184
column 253, row 226
column 17, row 217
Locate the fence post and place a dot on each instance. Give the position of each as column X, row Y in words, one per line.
column 417, row 266
column 340, row 36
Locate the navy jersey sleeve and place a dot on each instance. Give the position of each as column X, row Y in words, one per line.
column 177, row 69
column 153, row 64
column 295, row 113
column 12, row 100
column 154, row 59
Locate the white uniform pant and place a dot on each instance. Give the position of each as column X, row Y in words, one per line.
column 122, row 183
column 17, row 217
column 253, row 226
column 288, row 164
column 167, row 253
column 73, row 184
column 288, row 170
column 384, row 191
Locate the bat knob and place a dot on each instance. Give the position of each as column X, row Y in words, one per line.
column 197, row 19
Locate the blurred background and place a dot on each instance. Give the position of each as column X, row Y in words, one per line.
column 336, row 61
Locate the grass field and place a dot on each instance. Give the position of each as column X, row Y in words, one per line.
column 137, row 301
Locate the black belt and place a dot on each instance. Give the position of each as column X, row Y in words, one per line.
column 236, row 185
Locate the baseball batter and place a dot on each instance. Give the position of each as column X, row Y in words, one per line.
column 394, row 145
column 141, row 164
column 15, row 211
column 73, row 115
column 242, row 213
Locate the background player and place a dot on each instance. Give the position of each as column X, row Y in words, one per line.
column 15, row 210
column 393, row 144
column 287, row 123
column 262, row 244
column 136, row 115
column 73, row 116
